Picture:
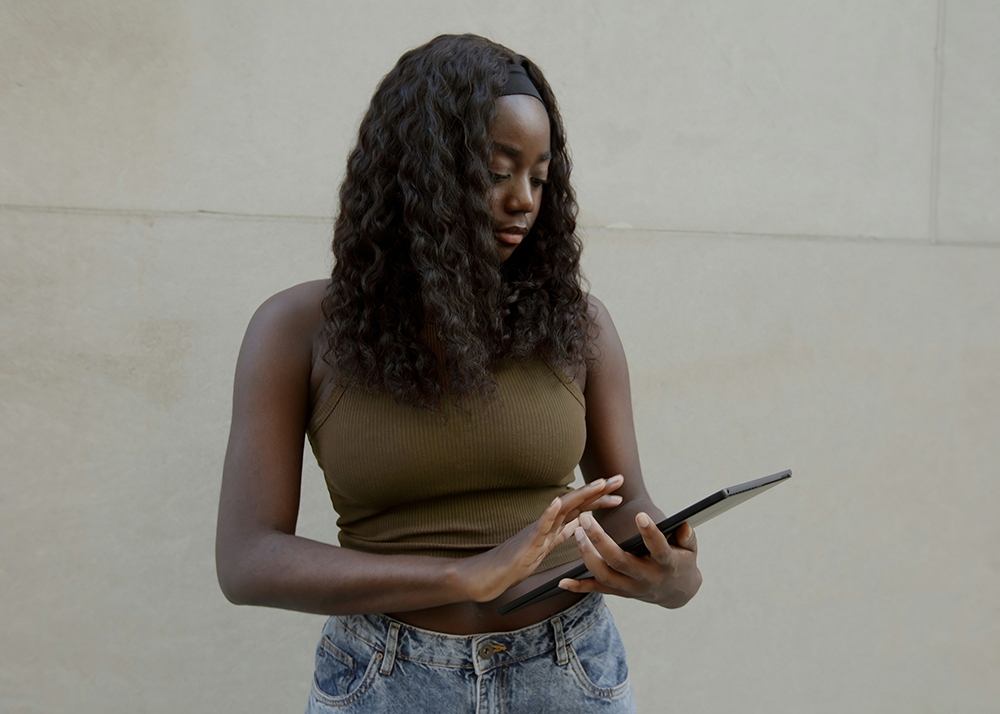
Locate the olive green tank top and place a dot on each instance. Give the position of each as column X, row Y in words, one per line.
column 404, row 480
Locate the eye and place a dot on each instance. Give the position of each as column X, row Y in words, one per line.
column 538, row 183
column 497, row 178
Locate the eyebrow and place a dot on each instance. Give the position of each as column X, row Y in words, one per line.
column 514, row 152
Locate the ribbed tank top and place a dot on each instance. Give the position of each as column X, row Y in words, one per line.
column 404, row 480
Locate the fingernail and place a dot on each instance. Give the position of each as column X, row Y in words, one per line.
column 599, row 483
column 579, row 535
column 643, row 520
column 585, row 521
column 565, row 583
column 617, row 479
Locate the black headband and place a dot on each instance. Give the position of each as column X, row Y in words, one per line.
column 518, row 82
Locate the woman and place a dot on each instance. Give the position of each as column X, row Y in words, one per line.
column 449, row 376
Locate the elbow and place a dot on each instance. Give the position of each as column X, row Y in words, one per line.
column 236, row 578
column 231, row 587
column 231, row 582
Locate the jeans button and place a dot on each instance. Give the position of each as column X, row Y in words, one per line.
column 485, row 651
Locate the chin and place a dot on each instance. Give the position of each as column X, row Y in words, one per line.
column 505, row 251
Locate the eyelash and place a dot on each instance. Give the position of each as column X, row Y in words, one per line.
column 497, row 178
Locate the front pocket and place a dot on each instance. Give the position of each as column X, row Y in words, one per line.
column 336, row 671
column 597, row 658
column 345, row 668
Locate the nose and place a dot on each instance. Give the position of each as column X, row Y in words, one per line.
column 521, row 198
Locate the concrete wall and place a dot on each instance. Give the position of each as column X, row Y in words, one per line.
column 790, row 208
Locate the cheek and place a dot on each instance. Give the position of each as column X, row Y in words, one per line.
column 496, row 200
column 539, row 197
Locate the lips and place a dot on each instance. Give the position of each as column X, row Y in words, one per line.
column 511, row 235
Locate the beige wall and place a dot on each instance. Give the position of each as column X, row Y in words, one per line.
column 790, row 209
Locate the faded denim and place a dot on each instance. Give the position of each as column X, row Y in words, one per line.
column 571, row 662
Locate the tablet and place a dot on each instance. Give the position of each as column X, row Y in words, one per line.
column 694, row 515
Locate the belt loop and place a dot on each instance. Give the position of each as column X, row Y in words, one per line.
column 390, row 649
column 562, row 656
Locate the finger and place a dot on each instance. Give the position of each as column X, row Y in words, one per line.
column 575, row 502
column 546, row 521
column 596, row 494
column 605, row 560
column 613, row 484
column 686, row 539
column 565, row 533
column 611, row 501
column 545, row 536
column 597, row 488
column 573, row 499
column 605, row 579
column 588, row 585
column 604, row 502
column 656, row 542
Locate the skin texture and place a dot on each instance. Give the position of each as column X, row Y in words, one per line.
column 519, row 167
column 281, row 375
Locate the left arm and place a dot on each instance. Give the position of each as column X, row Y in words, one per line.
column 669, row 575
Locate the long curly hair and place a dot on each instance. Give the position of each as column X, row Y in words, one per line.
column 414, row 237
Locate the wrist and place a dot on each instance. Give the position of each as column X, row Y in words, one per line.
column 456, row 580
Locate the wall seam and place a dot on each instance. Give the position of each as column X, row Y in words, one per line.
column 328, row 220
column 802, row 237
column 164, row 213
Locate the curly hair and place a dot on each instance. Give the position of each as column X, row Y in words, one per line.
column 414, row 237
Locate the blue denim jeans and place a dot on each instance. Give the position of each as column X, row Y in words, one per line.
column 571, row 662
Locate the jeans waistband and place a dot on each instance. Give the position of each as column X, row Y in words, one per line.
column 397, row 640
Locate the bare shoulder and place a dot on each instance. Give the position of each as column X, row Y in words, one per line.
column 283, row 334
column 297, row 310
column 607, row 346
column 596, row 307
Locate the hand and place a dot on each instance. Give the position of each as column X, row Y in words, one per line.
column 667, row 576
column 487, row 576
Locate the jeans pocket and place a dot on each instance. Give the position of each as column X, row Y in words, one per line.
column 345, row 666
column 597, row 658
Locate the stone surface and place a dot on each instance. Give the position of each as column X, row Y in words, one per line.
column 120, row 339
column 866, row 582
column 969, row 207
column 764, row 117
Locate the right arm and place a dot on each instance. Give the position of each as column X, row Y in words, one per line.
column 260, row 560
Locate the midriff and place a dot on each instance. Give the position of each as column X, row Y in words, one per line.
column 469, row 618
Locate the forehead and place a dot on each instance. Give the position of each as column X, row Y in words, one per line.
column 521, row 122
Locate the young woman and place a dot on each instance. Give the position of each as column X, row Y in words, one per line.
column 450, row 377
